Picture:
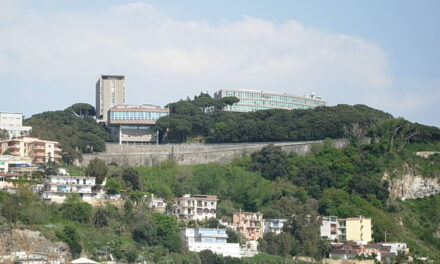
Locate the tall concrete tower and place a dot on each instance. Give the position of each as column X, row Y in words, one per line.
column 110, row 91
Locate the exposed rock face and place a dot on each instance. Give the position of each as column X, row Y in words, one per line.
column 409, row 185
column 31, row 242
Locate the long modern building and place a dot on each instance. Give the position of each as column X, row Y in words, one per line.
column 253, row 100
column 134, row 123
column 13, row 123
column 110, row 91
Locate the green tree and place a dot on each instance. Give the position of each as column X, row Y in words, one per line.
column 271, row 162
column 76, row 210
column 131, row 176
column 167, row 231
column 71, row 236
column 82, row 110
column 97, row 168
column 113, row 186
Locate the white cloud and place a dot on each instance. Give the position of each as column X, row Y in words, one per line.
column 167, row 59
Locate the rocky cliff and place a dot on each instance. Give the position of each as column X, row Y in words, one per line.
column 409, row 184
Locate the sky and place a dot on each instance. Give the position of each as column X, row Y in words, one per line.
column 384, row 54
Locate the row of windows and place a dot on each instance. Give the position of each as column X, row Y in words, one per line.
column 273, row 97
column 136, row 115
column 272, row 104
column 248, row 108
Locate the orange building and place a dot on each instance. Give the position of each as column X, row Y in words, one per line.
column 250, row 225
column 41, row 151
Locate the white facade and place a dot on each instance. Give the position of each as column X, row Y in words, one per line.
column 199, row 239
column 57, row 187
column 9, row 163
column 397, row 247
column 13, row 123
column 157, row 205
column 329, row 227
column 195, row 207
column 274, row 225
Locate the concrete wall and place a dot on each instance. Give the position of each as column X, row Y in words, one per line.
column 188, row 154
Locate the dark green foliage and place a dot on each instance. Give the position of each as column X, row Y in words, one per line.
column 75, row 129
column 76, row 210
column 145, row 233
column 283, row 244
column 271, row 162
column 200, row 118
column 131, row 177
column 82, row 110
column 71, row 236
column 98, row 169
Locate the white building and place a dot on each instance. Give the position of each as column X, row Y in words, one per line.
column 274, row 225
column 17, row 164
column 199, row 239
column 57, row 187
column 329, row 228
column 397, row 247
column 13, row 123
column 157, row 205
column 195, row 207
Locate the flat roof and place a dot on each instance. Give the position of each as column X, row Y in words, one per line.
column 318, row 98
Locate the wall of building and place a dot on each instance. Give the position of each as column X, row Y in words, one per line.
column 359, row 229
column 188, row 154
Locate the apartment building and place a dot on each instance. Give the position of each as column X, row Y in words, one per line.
column 13, row 123
column 253, row 100
column 57, row 187
column 198, row 239
column 355, row 229
column 110, row 91
column 41, row 151
column 249, row 224
column 329, row 228
column 195, row 207
column 346, row 229
column 134, row 123
column 274, row 225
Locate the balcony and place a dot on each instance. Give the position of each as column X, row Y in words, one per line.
column 39, row 147
column 57, row 150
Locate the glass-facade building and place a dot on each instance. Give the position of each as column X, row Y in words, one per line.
column 135, row 123
column 251, row 100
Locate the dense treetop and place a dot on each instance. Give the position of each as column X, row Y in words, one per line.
column 75, row 128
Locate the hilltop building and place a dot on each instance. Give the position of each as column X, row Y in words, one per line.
column 110, row 91
column 134, row 123
column 195, row 207
column 252, row 100
column 41, row 151
column 57, row 187
column 13, row 123
column 249, row 224
column 346, row 229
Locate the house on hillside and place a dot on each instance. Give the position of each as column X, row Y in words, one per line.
column 195, row 207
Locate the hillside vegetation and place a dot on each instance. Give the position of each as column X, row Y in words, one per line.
column 202, row 120
column 328, row 181
column 75, row 128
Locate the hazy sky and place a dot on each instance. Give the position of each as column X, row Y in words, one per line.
column 384, row 54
